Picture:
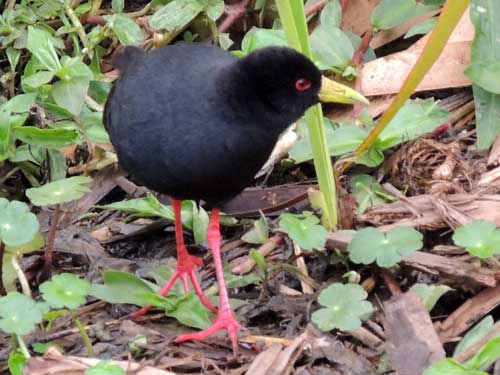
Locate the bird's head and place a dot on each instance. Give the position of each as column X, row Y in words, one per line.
column 289, row 83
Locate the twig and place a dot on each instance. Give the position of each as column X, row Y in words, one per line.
column 233, row 13
column 316, row 7
column 21, row 276
column 248, row 264
column 301, row 264
column 49, row 247
column 96, row 6
column 3, row 292
column 357, row 58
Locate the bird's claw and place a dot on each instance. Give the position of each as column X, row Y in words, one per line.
column 223, row 321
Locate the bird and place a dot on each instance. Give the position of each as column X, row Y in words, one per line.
column 193, row 121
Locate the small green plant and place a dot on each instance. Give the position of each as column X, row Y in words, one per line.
column 480, row 238
column 68, row 291
column 56, row 193
column 304, row 229
column 259, row 234
column 477, row 365
column 18, row 233
column 370, row 245
column 368, row 192
column 430, row 294
column 345, row 307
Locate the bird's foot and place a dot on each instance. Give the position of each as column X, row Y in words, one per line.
column 186, row 270
column 225, row 320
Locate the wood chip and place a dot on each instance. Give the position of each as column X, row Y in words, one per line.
column 468, row 314
column 54, row 363
column 409, row 329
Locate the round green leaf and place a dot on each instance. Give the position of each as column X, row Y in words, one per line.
column 479, row 237
column 405, row 240
column 65, row 290
column 345, row 307
column 18, row 225
column 19, row 314
column 60, row 191
column 304, row 229
column 362, row 248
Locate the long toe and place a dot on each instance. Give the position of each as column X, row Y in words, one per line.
column 223, row 321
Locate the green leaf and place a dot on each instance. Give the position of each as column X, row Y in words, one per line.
column 6, row 142
column 448, row 366
column 480, row 238
column 341, row 140
column 486, row 74
column 13, row 56
column 485, row 15
column 304, row 229
column 331, row 15
column 214, row 9
column 38, row 79
column 117, row 5
column 18, row 225
column 259, row 234
column 475, row 334
column 331, row 48
column 345, row 307
column 40, row 45
column 191, row 312
column 105, row 368
column 368, row 192
column 123, row 287
column 70, row 94
column 74, row 69
column 19, row 314
column 486, row 356
column 239, row 281
column 200, row 223
column 16, row 362
column 65, row 290
column 175, row 15
column 49, row 138
column 390, row 13
column 369, row 245
column 415, row 118
column 423, row 27
column 60, row 191
column 430, row 294
column 148, row 206
column 20, row 103
column 127, row 31
column 259, row 38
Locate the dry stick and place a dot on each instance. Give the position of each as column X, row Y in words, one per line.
column 316, row 7
column 238, row 11
column 301, row 264
column 49, row 247
column 3, row 292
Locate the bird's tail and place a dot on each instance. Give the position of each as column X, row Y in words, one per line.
column 127, row 58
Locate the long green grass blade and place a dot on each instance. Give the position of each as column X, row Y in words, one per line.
column 294, row 22
column 451, row 14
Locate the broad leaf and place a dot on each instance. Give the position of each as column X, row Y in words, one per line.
column 390, row 13
column 48, row 138
column 65, row 290
column 60, row 191
column 18, row 225
column 304, row 229
column 175, row 15
column 20, row 314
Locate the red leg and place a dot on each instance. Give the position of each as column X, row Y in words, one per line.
column 185, row 266
column 225, row 318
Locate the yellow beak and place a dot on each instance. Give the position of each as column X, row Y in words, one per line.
column 334, row 92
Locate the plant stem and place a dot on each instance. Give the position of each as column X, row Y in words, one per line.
column 22, row 346
column 49, row 246
column 79, row 29
column 293, row 18
column 3, row 292
column 96, row 5
column 25, row 286
column 83, row 333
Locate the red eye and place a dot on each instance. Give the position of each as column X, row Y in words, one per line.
column 302, row 84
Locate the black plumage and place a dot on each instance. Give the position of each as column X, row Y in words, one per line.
column 196, row 122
